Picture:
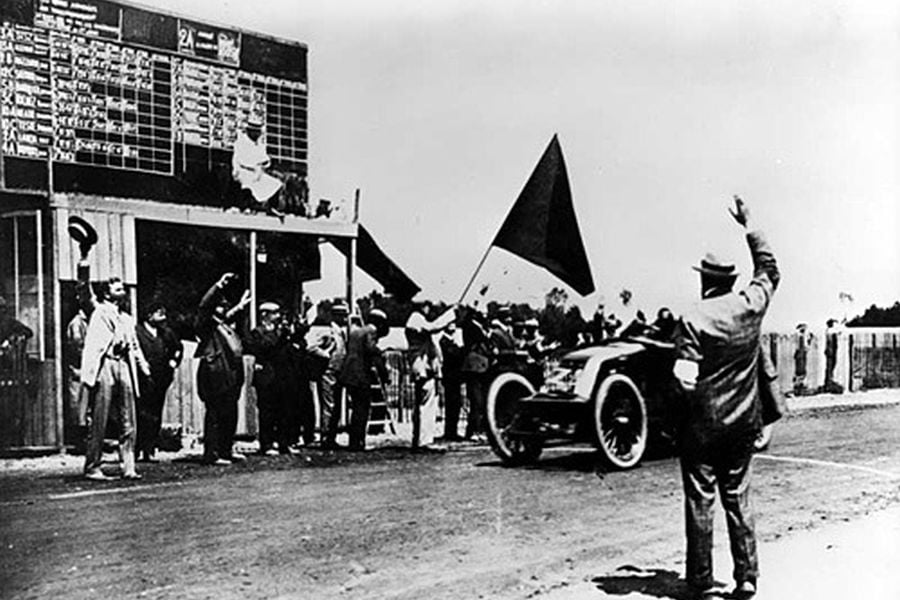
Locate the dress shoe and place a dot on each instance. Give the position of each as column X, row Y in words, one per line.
column 132, row 476
column 271, row 452
column 237, row 458
column 97, row 475
column 745, row 589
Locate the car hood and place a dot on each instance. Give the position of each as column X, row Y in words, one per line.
column 599, row 354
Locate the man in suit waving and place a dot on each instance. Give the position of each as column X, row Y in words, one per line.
column 718, row 348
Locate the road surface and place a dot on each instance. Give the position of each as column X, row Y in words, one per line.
column 391, row 524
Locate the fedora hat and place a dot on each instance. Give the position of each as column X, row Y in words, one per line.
column 340, row 307
column 82, row 231
column 711, row 265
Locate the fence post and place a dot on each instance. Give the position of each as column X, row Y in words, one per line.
column 851, row 367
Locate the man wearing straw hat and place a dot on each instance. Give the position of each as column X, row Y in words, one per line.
column 718, row 343
column 249, row 164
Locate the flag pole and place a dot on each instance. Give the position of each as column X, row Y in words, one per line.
column 475, row 274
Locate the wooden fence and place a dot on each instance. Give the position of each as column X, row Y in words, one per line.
column 866, row 359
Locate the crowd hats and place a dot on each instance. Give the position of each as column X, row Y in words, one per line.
column 269, row 307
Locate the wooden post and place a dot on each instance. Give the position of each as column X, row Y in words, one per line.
column 252, row 307
column 58, row 372
column 850, row 362
column 351, row 258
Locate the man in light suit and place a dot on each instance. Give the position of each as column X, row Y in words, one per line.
column 331, row 349
column 425, row 362
column 718, row 348
column 109, row 371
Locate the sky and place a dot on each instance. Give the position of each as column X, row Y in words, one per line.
column 438, row 111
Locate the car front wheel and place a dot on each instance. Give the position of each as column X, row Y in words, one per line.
column 620, row 422
column 502, row 411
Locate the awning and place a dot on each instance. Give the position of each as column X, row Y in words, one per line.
column 372, row 259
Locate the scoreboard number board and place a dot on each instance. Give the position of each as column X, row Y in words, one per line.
column 107, row 84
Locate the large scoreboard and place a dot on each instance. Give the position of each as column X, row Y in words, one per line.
column 101, row 84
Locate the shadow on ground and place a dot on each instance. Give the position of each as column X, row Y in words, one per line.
column 653, row 583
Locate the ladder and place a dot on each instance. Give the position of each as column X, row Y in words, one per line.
column 379, row 415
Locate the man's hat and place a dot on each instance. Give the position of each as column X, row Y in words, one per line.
column 254, row 120
column 712, row 266
column 532, row 322
column 269, row 307
column 376, row 314
column 82, row 231
column 340, row 307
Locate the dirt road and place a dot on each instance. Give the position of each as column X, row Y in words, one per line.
column 389, row 524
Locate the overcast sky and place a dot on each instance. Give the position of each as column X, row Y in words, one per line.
column 438, row 111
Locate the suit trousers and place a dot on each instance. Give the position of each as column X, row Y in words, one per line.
column 360, row 404
column 307, row 410
column 150, row 410
column 476, row 393
column 267, row 405
column 330, row 392
column 113, row 391
column 703, row 472
column 425, row 412
column 220, row 423
column 452, row 405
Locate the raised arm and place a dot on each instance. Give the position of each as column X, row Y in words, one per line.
column 765, row 268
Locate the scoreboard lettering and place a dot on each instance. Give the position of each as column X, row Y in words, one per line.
column 93, row 82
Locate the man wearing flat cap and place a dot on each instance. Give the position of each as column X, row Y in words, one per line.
column 266, row 342
column 363, row 368
column 718, row 343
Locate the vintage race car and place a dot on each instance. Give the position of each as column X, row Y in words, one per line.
column 620, row 396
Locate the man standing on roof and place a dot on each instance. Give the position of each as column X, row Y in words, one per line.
column 249, row 164
column 717, row 343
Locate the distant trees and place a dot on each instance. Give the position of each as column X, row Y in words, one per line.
column 875, row 316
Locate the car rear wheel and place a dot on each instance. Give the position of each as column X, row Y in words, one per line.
column 502, row 411
column 620, row 422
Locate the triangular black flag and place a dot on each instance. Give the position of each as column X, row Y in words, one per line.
column 542, row 228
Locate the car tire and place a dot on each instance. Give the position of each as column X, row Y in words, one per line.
column 502, row 397
column 620, row 422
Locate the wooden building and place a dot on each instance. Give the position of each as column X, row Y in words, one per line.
column 128, row 117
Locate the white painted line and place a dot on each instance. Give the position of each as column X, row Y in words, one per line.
column 828, row 463
column 106, row 491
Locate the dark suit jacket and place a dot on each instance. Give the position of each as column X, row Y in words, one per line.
column 364, row 362
column 722, row 334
